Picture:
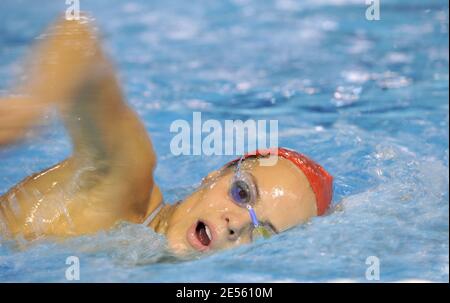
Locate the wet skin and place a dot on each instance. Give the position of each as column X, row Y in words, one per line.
column 285, row 199
column 109, row 176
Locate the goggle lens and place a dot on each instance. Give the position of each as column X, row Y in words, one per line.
column 261, row 232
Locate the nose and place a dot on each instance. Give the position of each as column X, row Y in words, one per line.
column 236, row 224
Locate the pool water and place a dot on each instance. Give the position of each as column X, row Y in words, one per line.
column 366, row 99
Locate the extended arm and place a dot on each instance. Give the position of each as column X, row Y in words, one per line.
column 109, row 176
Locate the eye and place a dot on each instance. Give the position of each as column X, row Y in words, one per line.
column 242, row 190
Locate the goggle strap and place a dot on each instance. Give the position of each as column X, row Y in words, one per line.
column 253, row 216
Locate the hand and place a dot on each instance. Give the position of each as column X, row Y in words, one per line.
column 17, row 115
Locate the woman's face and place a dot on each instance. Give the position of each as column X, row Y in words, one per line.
column 210, row 220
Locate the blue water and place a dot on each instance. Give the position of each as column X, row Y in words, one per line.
column 368, row 100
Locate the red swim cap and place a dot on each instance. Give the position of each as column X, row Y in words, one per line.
column 320, row 180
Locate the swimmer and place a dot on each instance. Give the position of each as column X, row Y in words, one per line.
column 109, row 176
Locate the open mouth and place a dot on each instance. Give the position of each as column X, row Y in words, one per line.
column 203, row 233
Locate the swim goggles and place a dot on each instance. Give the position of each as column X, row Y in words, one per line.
column 243, row 193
